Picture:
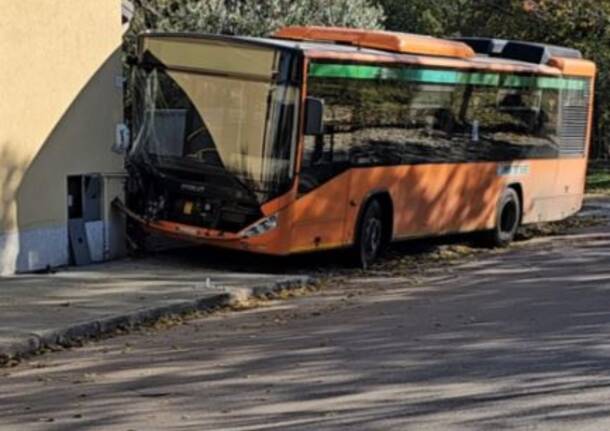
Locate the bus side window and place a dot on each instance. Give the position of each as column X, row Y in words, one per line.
column 316, row 163
column 324, row 157
column 402, row 122
column 515, row 123
column 316, row 151
column 399, row 117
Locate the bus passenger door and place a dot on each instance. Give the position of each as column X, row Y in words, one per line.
column 323, row 190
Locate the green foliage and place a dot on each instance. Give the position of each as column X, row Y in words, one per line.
column 598, row 178
column 251, row 17
column 433, row 17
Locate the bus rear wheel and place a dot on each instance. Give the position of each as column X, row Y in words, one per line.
column 370, row 237
column 507, row 220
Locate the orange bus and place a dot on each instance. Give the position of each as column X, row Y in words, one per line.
column 320, row 138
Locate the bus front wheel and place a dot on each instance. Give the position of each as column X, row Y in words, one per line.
column 370, row 238
column 508, row 219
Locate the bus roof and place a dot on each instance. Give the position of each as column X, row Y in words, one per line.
column 385, row 40
column 341, row 50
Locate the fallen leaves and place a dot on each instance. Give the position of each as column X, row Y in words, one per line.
column 86, row 378
column 560, row 227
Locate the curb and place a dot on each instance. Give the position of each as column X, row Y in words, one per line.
column 30, row 343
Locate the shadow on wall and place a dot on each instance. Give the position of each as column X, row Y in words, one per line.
column 33, row 217
column 12, row 171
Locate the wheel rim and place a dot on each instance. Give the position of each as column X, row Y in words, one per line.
column 508, row 219
column 372, row 238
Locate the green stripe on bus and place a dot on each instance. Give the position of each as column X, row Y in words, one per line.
column 345, row 71
column 433, row 76
column 544, row 82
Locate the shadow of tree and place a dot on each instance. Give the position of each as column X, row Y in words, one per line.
column 12, row 171
column 513, row 340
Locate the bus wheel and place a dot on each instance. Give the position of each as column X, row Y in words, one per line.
column 370, row 235
column 508, row 218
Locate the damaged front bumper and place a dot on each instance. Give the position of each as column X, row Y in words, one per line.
column 261, row 236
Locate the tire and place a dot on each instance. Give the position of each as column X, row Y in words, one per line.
column 508, row 219
column 370, row 238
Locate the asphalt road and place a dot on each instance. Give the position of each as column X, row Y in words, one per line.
column 516, row 340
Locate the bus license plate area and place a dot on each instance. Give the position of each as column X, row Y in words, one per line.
column 194, row 210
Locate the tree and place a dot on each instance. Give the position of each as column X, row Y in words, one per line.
column 431, row 17
column 251, row 17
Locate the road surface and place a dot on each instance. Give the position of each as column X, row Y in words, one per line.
column 515, row 340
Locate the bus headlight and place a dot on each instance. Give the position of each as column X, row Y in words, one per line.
column 261, row 227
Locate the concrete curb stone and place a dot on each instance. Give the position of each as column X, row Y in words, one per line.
column 26, row 344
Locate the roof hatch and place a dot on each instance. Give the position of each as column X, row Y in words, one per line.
column 522, row 51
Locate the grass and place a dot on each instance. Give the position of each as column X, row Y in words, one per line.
column 598, row 178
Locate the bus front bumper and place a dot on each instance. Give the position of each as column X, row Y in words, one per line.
column 258, row 237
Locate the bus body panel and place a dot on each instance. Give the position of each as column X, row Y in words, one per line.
column 428, row 201
column 569, row 190
column 319, row 216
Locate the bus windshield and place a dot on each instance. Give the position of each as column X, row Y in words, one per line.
column 197, row 123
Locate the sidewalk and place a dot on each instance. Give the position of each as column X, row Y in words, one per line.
column 51, row 309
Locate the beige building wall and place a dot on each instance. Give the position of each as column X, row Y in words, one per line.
column 61, row 99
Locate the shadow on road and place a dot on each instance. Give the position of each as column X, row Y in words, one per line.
column 510, row 340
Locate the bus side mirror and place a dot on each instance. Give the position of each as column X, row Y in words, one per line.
column 314, row 116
